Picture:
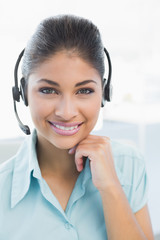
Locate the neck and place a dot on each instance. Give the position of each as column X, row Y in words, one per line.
column 54, row 161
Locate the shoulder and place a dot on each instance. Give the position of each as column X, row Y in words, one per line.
column 129, row 161
column 131, row 171
column 125, row 153
column 122, row 148
column 6, row 168
column 6, row 177
column 10, row 170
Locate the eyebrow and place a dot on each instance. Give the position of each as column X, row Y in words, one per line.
column 56, row 84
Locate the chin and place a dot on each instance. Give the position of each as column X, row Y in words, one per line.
column 63, row 145
column 64, row 142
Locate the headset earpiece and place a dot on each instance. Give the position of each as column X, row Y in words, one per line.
column 23, row 91
column 107, row 87
column 20, row 93
column 16, row 93
column 107, row 93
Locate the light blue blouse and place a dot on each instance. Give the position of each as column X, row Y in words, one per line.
column 30, row 211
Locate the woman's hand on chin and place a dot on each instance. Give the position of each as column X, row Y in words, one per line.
column 98, row 150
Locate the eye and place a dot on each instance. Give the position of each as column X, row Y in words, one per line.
column 47, row 90
column 85, row 91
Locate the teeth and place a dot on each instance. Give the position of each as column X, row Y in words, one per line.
column 65, row 128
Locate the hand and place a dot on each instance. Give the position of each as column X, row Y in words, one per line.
column 98, row 150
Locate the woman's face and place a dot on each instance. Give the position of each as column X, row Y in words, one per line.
column 64, row 95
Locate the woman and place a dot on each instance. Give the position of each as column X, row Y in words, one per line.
column 65, row 183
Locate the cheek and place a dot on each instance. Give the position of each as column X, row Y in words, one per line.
column 91, row 110
column 38, row 108
column 39, row 111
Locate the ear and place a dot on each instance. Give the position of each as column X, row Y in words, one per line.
column 23, row 91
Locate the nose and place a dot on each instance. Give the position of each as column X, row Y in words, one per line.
column 66, row 108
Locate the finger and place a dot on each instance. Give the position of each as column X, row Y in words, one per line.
column 79, row 167
column 80, row 156
column 79, row 163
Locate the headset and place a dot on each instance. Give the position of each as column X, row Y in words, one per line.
column 20, row 92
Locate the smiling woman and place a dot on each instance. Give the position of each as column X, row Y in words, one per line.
column 74, row 184
column 66, row 101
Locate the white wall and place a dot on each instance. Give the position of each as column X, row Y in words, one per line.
column 130, row 31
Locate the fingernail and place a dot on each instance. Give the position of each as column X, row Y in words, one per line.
column 70, row 151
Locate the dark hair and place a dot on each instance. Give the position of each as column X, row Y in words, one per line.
column 64, row 32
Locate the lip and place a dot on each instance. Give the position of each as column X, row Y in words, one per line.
column 65, row 132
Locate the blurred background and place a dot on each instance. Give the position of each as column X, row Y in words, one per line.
column 131, row 32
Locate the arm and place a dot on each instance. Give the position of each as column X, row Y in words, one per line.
column 143, row 218
column 121, row 222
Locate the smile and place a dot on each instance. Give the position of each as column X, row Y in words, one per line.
column 65, row 129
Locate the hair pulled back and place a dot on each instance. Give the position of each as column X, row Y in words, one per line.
column 64, row 32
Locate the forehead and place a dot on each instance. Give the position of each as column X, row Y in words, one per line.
column 65, row 66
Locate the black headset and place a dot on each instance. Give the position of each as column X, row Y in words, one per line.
column 18, row 92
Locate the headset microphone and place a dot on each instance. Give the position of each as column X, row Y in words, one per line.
column 16, row 93
column 23, row 127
